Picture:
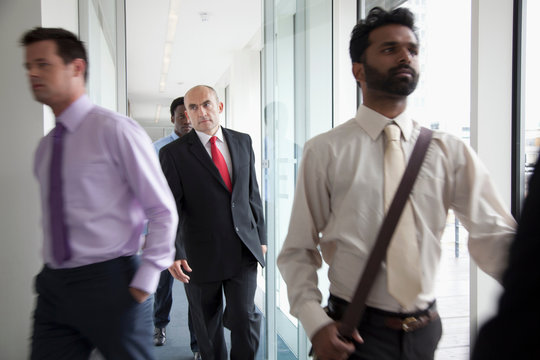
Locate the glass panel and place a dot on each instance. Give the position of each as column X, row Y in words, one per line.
column 298, row 105
column 530, row 77
column 102, row 84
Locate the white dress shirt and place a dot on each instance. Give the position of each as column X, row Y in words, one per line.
column 338, row 207
column 221, row 144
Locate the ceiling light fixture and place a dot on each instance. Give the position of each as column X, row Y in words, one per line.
column 158, row 113
column 204, row 16
column 167, row 50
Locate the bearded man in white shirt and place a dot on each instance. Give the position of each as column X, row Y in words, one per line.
column 339, row 206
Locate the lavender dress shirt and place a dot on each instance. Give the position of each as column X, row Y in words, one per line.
column 112, row 182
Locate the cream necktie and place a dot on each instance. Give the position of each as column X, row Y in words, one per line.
column 403, row 256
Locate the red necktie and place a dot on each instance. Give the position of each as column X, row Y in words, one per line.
column 59, row 238
column 221, row 165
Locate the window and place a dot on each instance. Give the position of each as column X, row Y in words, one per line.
column 526, row 93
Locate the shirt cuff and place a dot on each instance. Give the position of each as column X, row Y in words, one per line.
column 146, row 278
column 313, row 317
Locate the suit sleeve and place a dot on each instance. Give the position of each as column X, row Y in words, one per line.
column 171, row 174
column 255, row 198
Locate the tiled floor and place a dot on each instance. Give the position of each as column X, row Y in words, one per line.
column 452, row 299
column 452, row 291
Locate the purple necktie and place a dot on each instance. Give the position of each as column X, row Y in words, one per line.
column 61, row 251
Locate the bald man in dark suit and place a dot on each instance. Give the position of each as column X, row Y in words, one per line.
column 221, row 236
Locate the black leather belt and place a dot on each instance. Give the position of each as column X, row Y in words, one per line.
column 406, row 322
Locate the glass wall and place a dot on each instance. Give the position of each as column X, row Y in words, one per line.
column 102, row 29
column 529, row 114
column 297, row 102
column 297, row 105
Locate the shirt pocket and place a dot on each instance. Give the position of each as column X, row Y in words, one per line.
column 93, row 186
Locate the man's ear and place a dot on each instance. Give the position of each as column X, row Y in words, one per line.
column 358, row 71
column 79, row 66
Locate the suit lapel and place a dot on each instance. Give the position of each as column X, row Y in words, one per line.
column 198, row 150
column 232, row 144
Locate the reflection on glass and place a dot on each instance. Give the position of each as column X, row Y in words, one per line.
column 301, row 107
column 102, row 85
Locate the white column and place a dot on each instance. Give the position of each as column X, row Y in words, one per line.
column 344, row 13
column 22, row 126
column 491, row 105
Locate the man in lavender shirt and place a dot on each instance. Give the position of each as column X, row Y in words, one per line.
column 96, row 296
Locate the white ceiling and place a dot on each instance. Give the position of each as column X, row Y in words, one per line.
column 201, row 54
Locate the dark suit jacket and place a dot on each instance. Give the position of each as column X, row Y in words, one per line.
column 215, row 223
column 514, row 332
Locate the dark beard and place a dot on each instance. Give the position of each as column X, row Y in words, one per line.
column 402, row 86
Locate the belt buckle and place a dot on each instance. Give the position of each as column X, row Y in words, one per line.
column 408, row 323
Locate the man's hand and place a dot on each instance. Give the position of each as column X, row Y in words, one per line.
column 138, row 294
column 329, row 345
column 178, row 273
column 264, row 249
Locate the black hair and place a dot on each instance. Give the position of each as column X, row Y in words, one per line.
column 376, row 18
column 69, row 47
column 176, row 102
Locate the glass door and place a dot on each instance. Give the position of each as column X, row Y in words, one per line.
column 102, row 28
column 297, row 103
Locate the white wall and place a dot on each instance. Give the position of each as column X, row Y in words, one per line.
column 491, row 119
column 22, row 126
column 344, row 84
column 244, row 81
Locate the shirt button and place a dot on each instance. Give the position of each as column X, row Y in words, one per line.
column 237, row 230
column 233, row 204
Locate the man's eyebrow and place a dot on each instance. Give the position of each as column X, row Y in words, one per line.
column 36, row 60
column 392, row 43
column 388, row 43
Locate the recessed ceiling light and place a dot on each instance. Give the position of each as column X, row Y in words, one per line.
column 204, row 16
column 158, row 113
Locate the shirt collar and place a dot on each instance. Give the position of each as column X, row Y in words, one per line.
column 75, row 113
column 205, row 138
column 373, row 122
column 174, row 136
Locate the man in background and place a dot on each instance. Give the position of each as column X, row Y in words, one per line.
column 99, row 181
column 221, row 235
column 163, row 296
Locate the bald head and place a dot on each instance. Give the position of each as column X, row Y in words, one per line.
column 203, row 108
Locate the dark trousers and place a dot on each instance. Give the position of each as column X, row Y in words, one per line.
column 384, row 343
column 89, row 307
column 163, row 303
column 163, row 300
column 240, row 316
